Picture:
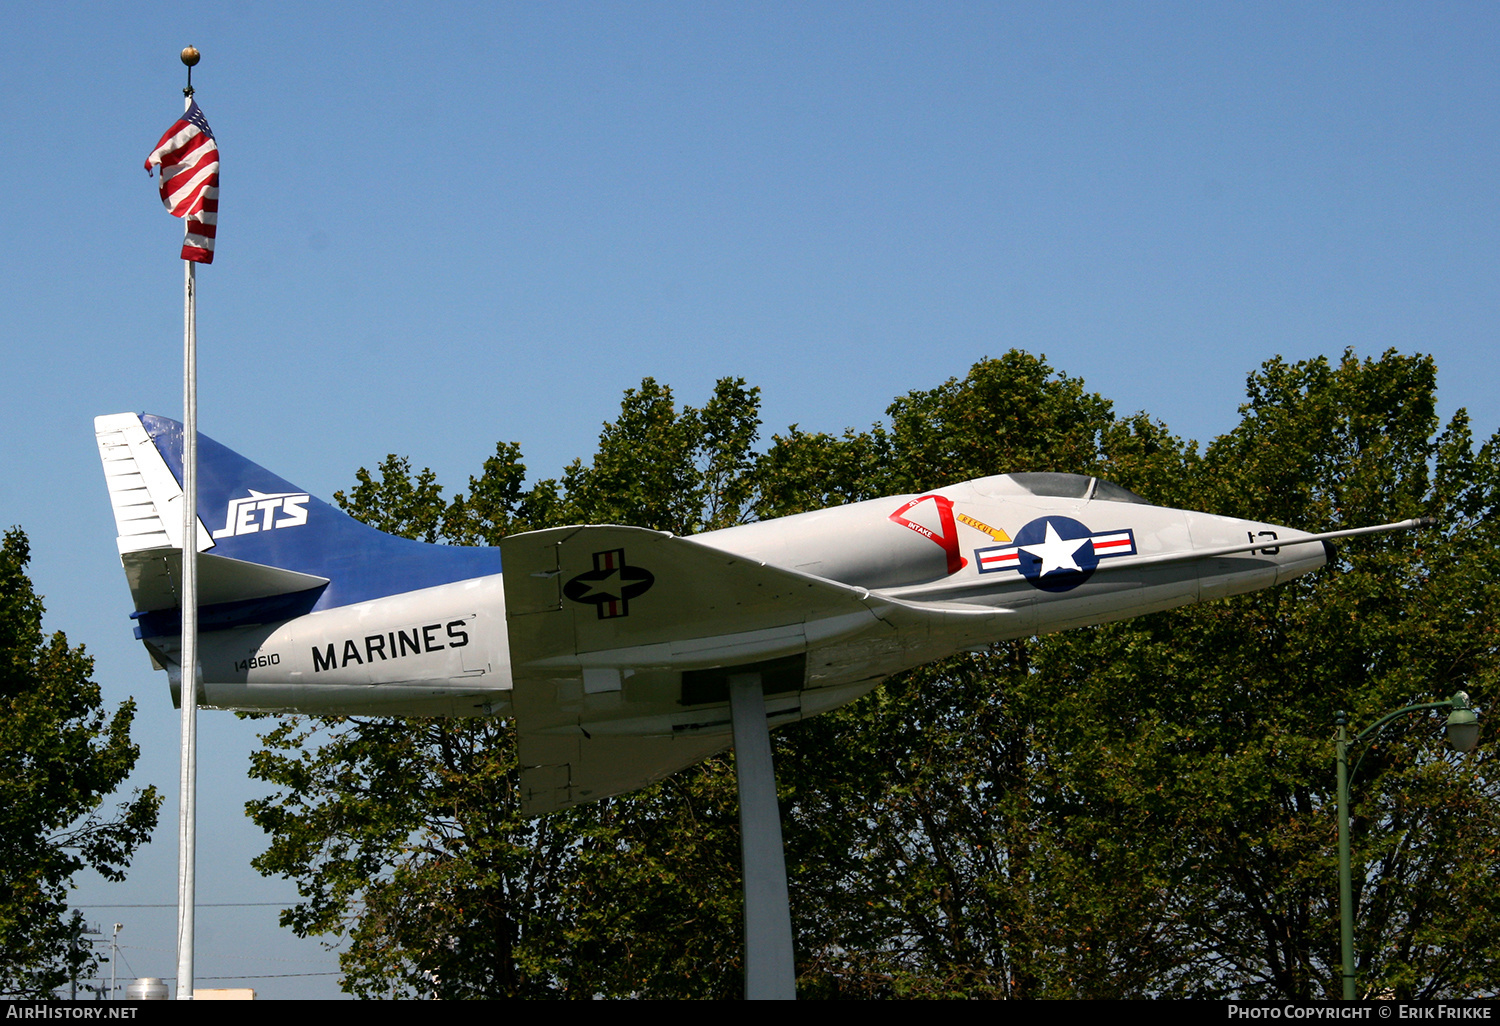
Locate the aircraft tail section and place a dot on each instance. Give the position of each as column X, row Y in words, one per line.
column 268, row 549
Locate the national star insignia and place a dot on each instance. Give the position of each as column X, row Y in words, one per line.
column 1056, row 553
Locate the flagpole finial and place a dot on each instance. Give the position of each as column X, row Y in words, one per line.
column 190, row 56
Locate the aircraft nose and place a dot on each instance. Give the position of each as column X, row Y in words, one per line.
column 1270, row 554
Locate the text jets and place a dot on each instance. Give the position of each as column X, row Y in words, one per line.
column 611, row 648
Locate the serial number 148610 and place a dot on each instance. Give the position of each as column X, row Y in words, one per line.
column 256, row 662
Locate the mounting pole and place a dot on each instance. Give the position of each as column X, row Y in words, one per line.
column 187, row 802
column 770, row 972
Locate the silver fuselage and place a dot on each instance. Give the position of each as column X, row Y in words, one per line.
column 938, row 573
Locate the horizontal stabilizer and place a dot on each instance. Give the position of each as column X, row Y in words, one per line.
column 155, row 579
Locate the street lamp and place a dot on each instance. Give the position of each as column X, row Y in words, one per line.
column 1463, row 734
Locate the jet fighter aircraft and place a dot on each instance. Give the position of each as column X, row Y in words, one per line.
column 611, row 647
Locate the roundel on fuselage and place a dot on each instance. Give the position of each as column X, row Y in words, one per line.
column 1056, row 553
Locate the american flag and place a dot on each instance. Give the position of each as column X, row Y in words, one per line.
column 189, row 160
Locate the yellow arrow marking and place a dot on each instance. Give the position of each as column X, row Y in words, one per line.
column 980, row 525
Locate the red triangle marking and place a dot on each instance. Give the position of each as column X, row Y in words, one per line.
column 947, row 540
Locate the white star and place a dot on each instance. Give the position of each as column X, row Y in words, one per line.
column 1055, row 553
column 609, row 587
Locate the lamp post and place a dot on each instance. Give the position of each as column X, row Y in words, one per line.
column 1463, row 734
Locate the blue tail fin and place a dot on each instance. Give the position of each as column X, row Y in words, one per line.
column 268, row 549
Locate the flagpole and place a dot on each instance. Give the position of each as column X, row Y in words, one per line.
column 187, row 809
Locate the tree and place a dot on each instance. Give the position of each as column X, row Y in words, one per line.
column 1134, row 809
column 59, row 758
column 447, row 895
column 1394, row 621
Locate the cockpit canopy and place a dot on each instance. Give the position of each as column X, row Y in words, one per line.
column 1061, row 486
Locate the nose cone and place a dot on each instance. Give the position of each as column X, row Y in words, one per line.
column 1278, row 555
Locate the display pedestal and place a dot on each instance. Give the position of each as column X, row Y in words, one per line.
column 770, row 973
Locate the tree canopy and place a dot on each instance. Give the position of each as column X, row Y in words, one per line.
column 60, row 756
column 1134, row 809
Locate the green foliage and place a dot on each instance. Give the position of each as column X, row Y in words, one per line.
column 396, row 504
column 59, row 757
column 681, row 472
column 495, row 505
column 1007, row 414
column 1134, row 809
column 445, row 887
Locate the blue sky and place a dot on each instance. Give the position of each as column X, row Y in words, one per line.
column 449, row 226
